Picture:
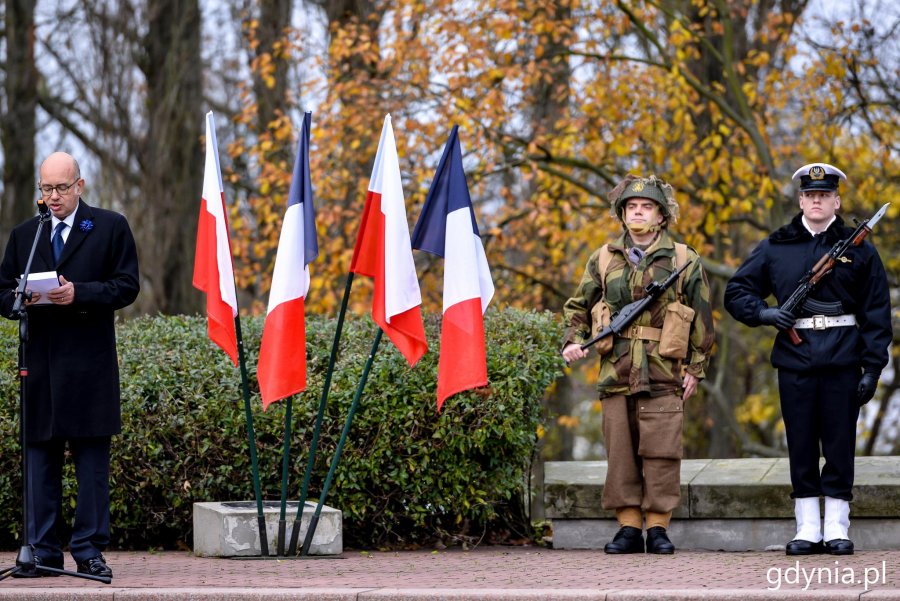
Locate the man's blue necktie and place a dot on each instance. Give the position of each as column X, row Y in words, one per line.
column 58, row 241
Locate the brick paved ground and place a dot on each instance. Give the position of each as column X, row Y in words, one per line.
column 485, row 573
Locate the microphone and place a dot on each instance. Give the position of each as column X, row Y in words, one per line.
column 43, row 209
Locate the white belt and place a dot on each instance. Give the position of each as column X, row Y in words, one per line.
column 822, row 322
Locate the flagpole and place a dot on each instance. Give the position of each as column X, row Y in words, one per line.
column 279, row 374
column 251, row 435
column 314, row 521
column 285, row 460
column 314, row 444
column 214, row 275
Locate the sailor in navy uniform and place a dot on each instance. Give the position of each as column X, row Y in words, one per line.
column 845, row 326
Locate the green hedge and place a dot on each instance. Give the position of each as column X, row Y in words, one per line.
column 407, row 475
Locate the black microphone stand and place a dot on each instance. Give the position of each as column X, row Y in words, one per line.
column 26, row 566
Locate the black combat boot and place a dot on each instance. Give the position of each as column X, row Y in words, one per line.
column 658, row 541
column 627, row 540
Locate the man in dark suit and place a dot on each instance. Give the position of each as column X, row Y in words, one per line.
column 72, row 394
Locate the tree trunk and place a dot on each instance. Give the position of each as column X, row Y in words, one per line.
column 17, row 128
column 551, row 106
column 271, row 88
column 170, row 157
column 360, row 19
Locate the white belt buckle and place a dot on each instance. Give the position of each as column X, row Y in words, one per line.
column 818, row 322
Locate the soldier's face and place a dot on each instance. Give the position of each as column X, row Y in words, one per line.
column 642, row 210
column 819, row 206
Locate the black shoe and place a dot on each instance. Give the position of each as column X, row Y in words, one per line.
column 29, row 573
column 627, row 540
column 804, row 547
column 95, row 566
column 658, row 541
column 839, row 546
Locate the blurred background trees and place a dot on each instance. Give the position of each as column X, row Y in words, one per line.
column 556, row 100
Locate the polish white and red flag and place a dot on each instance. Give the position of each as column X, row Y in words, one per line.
column 383, row 252
column 282, row 355
column 213, row 265
column 447, row 228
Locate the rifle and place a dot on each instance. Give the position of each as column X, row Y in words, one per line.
column 625, row 316
column 825, row 265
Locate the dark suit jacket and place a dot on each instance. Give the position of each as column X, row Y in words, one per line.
column 73, row 373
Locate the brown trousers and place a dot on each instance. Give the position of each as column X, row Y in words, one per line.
column 643, row 443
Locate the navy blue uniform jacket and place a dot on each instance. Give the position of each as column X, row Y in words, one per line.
column 73, row 372
column 776, row 266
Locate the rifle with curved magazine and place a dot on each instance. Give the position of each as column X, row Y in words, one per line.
column 825, row 265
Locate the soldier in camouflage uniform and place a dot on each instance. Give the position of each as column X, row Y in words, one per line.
column 643, row 384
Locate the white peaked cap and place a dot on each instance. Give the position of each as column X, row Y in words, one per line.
column 829, row 170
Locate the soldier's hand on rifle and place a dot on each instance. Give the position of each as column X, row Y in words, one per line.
column 866, row 389
column 572, row 352
column 773, row 316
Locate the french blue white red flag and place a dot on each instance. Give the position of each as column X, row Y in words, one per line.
column 282, row 355
column 383, row 252
column 213, row 265
column 447, row 228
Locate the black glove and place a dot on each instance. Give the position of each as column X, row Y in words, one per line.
column 773, row 316
column 866, row 389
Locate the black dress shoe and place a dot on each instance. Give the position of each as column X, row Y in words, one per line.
column 95, row 566
column 29, row 573
column 839, row 546
column 627, row 540
column 658, row 541
column 804, row 547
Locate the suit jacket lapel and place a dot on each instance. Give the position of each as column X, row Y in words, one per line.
column 78, row 233
column 44, row 249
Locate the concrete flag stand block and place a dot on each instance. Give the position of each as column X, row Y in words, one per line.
column 228, row 529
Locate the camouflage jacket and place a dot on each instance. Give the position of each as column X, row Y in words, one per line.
column 634, row 365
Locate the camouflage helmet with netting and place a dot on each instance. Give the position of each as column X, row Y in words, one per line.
column 651, row 188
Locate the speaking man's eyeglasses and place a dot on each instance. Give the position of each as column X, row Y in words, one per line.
column 61, row 189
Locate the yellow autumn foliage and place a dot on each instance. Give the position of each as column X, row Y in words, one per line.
column 557, row 101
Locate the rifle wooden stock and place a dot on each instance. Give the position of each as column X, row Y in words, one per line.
column 822, row 268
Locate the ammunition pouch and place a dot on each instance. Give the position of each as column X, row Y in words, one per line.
column 676, row 331
column 601, row 317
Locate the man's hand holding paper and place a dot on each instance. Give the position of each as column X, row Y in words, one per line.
column 64, row 294
column 40, row 285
